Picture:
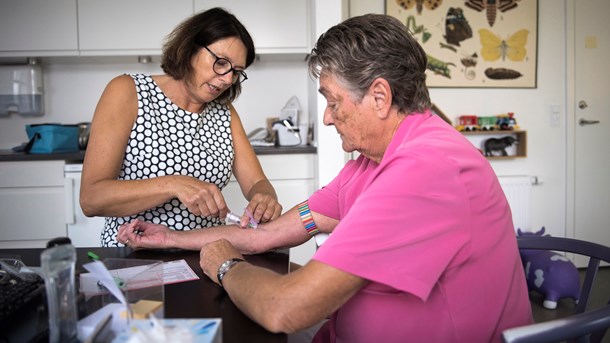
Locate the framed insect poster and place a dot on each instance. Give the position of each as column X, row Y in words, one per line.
column 474, row 43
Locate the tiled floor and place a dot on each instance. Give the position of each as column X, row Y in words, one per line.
column 599, row 297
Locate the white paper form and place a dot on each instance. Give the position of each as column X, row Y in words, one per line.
column 141, row 276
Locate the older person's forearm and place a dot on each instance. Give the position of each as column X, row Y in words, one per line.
column 291, row 302
column 285, row 231
column 247, row 241
column 270, row 301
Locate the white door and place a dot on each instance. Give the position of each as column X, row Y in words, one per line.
column 591, row 126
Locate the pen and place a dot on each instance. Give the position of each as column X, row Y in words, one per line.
column 93, row 256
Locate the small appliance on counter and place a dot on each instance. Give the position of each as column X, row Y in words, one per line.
column 292, row 127
column 288, row 135
column 21, row 89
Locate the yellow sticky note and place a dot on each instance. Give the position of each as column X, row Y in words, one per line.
column 143, row 308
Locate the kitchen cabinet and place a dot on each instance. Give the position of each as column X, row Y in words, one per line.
column 39, row 28
column 31, row 203
column 293, row 177
column 128, row 27
column 32, row 28
column 276, row 26
column 34, row 207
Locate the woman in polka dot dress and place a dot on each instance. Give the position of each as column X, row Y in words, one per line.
column 162, row 147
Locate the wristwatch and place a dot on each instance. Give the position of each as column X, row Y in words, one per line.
column 225, row 267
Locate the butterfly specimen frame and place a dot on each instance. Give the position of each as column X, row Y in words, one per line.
column 474, row 43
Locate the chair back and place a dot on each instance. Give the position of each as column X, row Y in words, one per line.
column 586, row 324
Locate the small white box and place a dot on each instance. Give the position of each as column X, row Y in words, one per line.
column 178, row 330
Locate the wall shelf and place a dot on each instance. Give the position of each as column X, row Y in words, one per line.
column 518, row 150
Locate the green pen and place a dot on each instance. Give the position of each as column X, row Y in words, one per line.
column 93, row 256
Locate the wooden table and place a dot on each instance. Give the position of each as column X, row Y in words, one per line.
column 192, row 299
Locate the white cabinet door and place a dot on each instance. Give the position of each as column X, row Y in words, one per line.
column 36, row 27
column 31, row 203
column 292, row 176
column 289, row 193
column 277, row 26
column 126, row 27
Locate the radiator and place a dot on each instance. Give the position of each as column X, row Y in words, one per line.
column 518, row 190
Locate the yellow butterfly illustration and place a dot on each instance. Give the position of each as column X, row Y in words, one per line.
column 493, row 47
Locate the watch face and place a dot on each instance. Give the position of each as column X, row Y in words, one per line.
column 224, row 267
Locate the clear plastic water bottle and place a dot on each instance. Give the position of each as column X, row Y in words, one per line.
column 58, row 266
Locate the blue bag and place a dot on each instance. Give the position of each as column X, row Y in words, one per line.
column 51, row 138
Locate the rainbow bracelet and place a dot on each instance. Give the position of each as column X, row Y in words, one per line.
column 307, row 220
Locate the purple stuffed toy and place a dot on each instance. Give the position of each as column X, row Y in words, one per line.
column 549, row 273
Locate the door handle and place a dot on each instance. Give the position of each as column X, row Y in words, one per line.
column 583, row 122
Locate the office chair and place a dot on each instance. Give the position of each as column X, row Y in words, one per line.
column 583, row 325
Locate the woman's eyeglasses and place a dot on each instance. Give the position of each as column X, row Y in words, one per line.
column 223, row 66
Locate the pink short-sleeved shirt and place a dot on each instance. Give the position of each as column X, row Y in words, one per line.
column 431, row 229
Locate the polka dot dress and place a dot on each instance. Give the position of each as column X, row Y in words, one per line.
column 167, row 140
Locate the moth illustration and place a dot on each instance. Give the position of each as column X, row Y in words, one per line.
column 494, row 48
column 419, row 4
column 491, row 7
column 457, row 28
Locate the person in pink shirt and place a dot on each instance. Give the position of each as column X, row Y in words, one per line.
column 422, row 248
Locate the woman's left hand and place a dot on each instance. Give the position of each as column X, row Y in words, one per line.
column 263, row 208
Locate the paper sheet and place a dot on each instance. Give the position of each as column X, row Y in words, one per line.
column 139, row 276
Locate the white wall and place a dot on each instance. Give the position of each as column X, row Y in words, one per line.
column 546, row 146
column 73, row 87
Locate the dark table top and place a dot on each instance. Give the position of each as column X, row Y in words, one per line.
column 192, row 299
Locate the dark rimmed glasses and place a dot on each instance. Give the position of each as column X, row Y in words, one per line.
column 223, row 66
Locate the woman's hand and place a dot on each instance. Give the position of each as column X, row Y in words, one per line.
column 213, row 254
column 263, row 207
column 141, row 235
column 201, row 198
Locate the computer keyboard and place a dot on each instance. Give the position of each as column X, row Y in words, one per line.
column 20, row 293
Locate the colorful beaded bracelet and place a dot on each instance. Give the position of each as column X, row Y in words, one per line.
column 307, row 220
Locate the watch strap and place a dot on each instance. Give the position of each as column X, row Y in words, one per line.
column 225, row 267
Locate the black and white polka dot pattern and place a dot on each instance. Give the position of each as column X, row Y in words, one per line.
column 167, row 140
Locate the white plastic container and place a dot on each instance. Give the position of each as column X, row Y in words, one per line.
column 21, row 90
column 288, row 135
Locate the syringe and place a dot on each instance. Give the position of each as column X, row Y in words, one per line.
column 234, row 219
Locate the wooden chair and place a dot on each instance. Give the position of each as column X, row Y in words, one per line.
column 585, row 324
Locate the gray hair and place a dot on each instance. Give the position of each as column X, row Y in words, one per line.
column 362, row 49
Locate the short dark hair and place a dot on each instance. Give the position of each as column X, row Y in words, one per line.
column 196, row 32
column 363, row 48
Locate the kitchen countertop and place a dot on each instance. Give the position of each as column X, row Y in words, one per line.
column 9, row 155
